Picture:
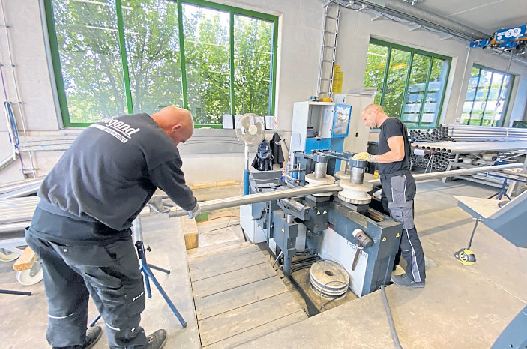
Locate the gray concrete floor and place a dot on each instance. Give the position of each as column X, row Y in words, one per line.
column 461, row 306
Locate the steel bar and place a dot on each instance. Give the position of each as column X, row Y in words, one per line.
column 463, row 172
column 259, row 197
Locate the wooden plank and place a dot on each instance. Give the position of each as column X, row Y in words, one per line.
column 189, row 225
column 224, row 256
column 238, row 297
column 191, row 240
column 26, row 260
column 259, row 331
column 214, row 268
column 228, row 324
column 223, row 282
column 214, row 249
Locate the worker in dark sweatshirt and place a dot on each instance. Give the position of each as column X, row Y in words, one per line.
column 81, row 227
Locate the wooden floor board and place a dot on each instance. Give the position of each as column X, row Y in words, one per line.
column 237, row 278
column 259, row 331
column 237, row 321
column 238, row 297
column 213, row 267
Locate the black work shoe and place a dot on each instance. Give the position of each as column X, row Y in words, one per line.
column 92, row 336
column 405, row 281
column 157, row 339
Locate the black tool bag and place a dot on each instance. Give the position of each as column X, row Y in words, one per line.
column 263, row 161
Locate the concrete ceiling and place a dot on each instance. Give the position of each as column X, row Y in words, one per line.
column 486, row 16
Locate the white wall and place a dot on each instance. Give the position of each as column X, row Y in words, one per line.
column 299, row 44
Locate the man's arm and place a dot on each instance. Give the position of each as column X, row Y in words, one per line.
column 396, row 152
column 169, row 178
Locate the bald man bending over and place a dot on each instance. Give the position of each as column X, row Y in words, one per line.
column 398, row 189
column 81, row 227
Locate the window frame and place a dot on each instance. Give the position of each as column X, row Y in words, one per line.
column 508, row 99
column 232, row 10
column 412, row 52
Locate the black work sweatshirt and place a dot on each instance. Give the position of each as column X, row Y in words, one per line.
column 107, row 177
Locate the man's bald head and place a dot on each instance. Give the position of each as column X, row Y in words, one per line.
column 373, row 115
column 176, row 123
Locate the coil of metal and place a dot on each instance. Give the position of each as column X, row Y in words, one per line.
column 259, row 197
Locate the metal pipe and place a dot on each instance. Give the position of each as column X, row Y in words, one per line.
column 259, row 197
column 463, row 172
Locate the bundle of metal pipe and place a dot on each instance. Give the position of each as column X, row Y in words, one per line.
column 472, row 147
column 468, row 133
column 435, row 160
column 440, row 133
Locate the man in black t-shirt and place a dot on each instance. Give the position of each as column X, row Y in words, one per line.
column 398, row 189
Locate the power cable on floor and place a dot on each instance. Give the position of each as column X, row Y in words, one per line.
column 390, row 319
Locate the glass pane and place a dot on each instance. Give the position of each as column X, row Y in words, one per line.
column 416, row 88
column 396, row 82
column 90, row 59
column 434, row 95
column 152, row 46
column 207, row 62
column 252, row 61
column 490, row 92
column 492, row 105
column 375, row 66
column 464, row 119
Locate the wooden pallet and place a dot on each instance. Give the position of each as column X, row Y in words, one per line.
column 239, row 297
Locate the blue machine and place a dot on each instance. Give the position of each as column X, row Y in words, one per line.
column 302, row 224
column 320, row 126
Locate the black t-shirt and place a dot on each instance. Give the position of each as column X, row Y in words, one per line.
column 393, row 127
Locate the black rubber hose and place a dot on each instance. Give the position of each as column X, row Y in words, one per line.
column 390, row 319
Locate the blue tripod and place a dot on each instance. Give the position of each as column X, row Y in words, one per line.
column 145, row 269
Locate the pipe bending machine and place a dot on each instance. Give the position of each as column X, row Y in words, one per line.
column 343, row 227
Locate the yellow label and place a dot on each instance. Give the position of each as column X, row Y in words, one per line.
column 283, row 230
column 318, row 212
column 398, row 235
column 324, row 212
column 384, row 238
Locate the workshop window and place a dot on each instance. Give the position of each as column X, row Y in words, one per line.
column 487, row 97
column 115, row 57
column 410, row 83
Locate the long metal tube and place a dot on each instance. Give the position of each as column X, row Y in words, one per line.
column 259, row 197
column 463, row 172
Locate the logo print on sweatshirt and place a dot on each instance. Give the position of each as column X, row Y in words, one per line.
column 117, row 128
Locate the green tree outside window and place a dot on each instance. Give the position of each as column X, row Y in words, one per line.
column 121, row 56
column 410, row 83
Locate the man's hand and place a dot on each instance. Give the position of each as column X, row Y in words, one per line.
column 195, row 212
column 365, row 156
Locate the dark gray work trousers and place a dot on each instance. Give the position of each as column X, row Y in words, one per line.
column 109, row 273
column 398, row 192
